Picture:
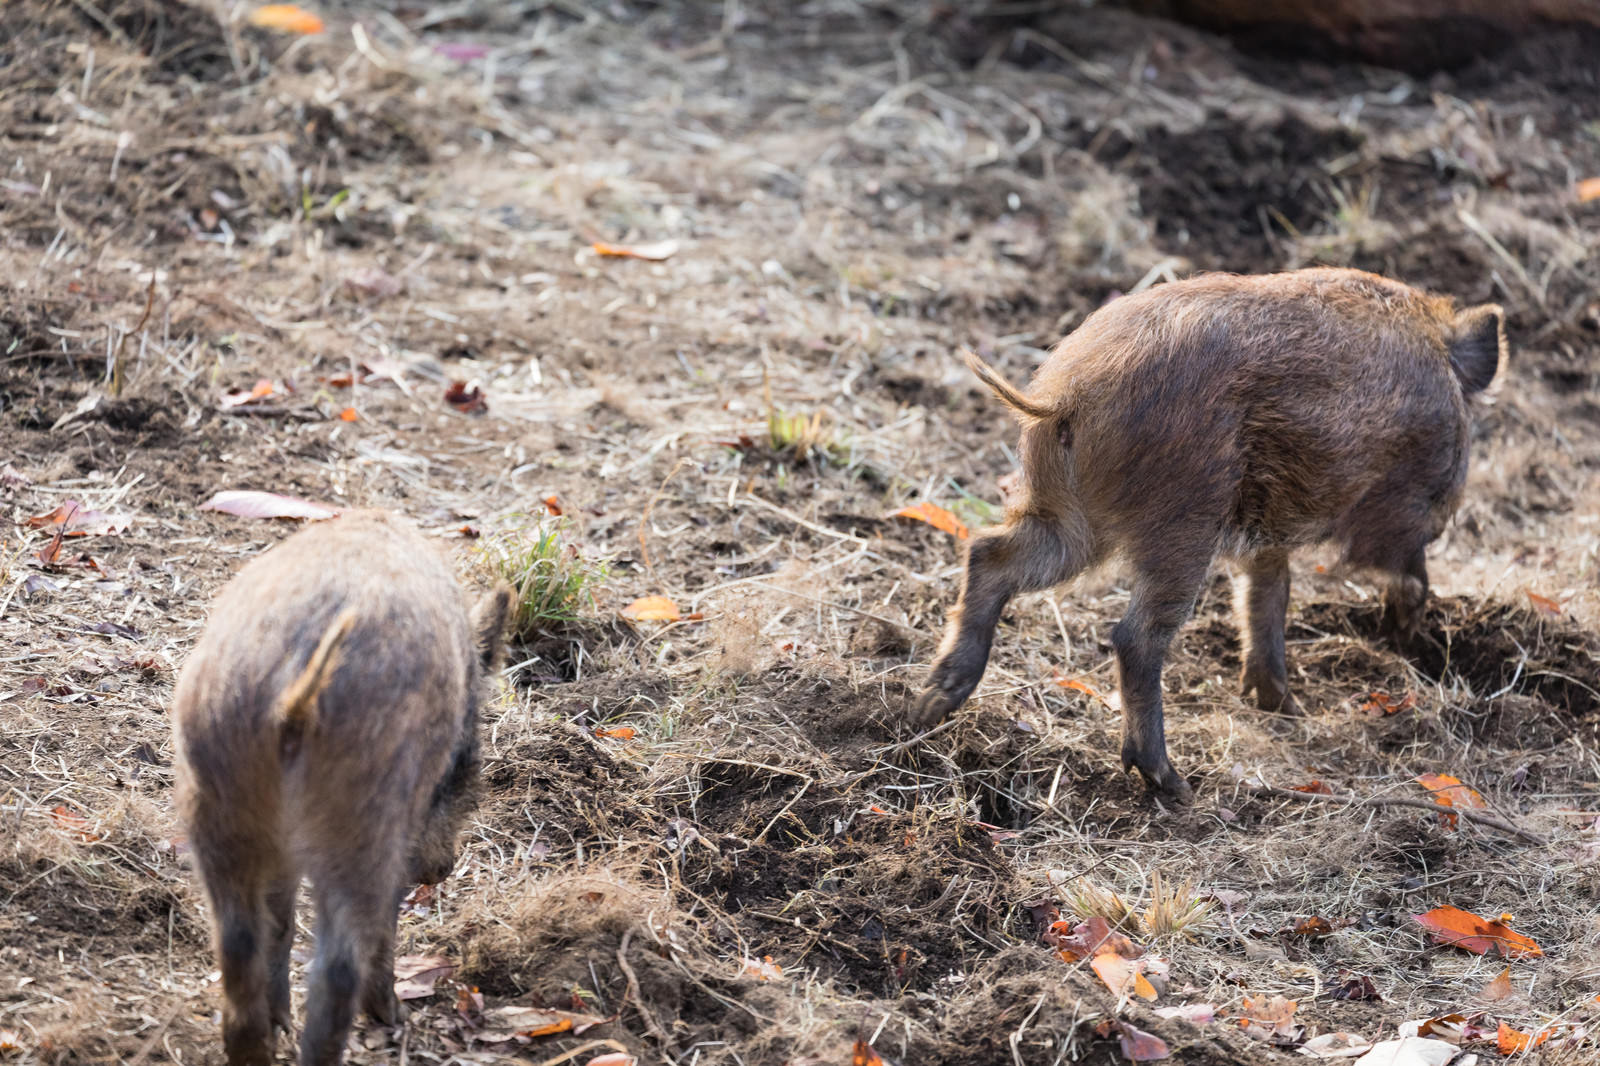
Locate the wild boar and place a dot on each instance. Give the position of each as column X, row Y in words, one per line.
column 1227, row 415
column 326, row 725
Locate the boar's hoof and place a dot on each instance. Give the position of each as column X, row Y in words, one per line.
column 1159, row 776
column 1271, row 692
column 936, row 703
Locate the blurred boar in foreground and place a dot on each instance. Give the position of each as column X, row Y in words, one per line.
column 1224, row 414
column 326, row 726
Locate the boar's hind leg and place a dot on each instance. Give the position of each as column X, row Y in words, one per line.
column 280, row 923
column 1404, row 598
column 236, row 909
column 1027, row 554
column 1263, row 599
column 353, row 911
column 1164, row 590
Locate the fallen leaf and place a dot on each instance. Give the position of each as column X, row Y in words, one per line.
column 469, row 1001
column 262, row 390
column 616, row 732
column 1087, row 939
column 51, row 552
column 1080, row 686
column 76, row 520
column 9, row 1040
column 762, row 969
column 418, row 902
column 552, row 505
column 1469, row 932
column 655, row 252
column 286, row 17
column 1320, row 788
column 466, row 398
column 1270, row 1018
column 348, row 415
column 1193, row 1013
column 1358, row 989
column 1544, row 603
column 864, row 1055
column 416, row 975
column 248, row 503
column 1313, row 927
column 652, row 609
column 1509, row 1041
column 1335, row 1046
column 73, row 823
column 501, row 1024
column 1448, row 1027
column 1408, row 1051
column 1140, row 1046
column 1588, row 189
column 1498, row 989
column 935, row 516
column 1121, row 975
column 1450, row 792
column 374, row 281
column 1380, row 704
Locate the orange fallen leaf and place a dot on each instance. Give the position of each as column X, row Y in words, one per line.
column 1319, row 787
column 348, row 415
column 1588, row 189
column 263, row 389
column 1509, row 1041
column 1450, row 792
column 415, row 976
column 1544, row 603
column 1080, row 686
column 76, row 520
column 655, row 252
column 74, row 823
column 1269, row 1017
column 552, row 504
column 9, row 1040
column 864, row 1055
column 501, row 1024
column 1469, row 932
column 1121, row 975
column 1499, row 988
column 762, row 969
column 652, row 609
column 616, row 732
column 1313, row 927
column 935, row 516
column 1380, row 704
column 285, row 17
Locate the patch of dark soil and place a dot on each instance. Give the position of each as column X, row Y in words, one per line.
column 181, row 39
column 1215, row 191
column 139, row 915
column 1496, row 649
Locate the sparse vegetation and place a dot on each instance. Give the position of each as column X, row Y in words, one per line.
column 852, row 193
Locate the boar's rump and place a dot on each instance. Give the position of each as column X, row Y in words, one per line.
column 326, row 725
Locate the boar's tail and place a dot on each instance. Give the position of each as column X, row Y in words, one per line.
column 298, row 705
column 1004, row 390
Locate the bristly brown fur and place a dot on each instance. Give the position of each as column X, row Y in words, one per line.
column 1227, row 414
column 356, row 768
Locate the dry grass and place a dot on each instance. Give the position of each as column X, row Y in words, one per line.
column 730, row 428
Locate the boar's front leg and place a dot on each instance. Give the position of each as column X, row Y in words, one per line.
column 280, row 924
column 1403, row 600
column 1262, row 600
column 1163, row 595
column 1029, row 553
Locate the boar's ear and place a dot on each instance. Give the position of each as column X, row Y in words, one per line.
column 1478, row 346
column 489, row 623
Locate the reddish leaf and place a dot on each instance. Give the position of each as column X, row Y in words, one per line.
column 348, row 415
column 935, row 516
column 1588, row 189
column 75, row 520
column 652, row 609
column 762, row 969
column 73, row 823
column 468, row 399
column 1122, row 975
column 1270, row 1018
column 51, row 553
column 286, row 17
column 655, row 252
column 1087, row 939
column 509, row 1023
column 1469, row 932
column 1313, row 927
column 1380, row 704
column 1359, row 989
column 1509, row 1041
column 1450, row 792
column 1545, row 604
column 618, row 732
column 1080, row 686
column 1140, row 1046
column 1320, row 788
column 263, row 389
column 864, row 1055
column 247, row 503
column 1499, row 988
column 552, row 504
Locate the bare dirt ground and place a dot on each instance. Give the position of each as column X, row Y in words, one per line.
column 856, row 189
